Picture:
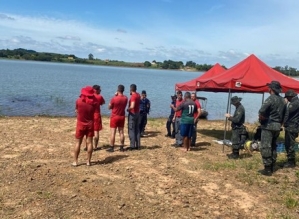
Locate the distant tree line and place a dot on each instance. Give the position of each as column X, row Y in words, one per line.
column 25, row 54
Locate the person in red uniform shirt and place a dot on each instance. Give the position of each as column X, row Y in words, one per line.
column 177, row 120
column 117, row 105
column 97, row 115
column 85, row 107
column 133, row 118
column 196, row 115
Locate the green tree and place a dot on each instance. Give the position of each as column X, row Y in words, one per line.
column 190, row 64
column 147, row 64
column 90, row 56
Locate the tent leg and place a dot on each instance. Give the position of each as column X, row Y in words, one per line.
column 226, row 120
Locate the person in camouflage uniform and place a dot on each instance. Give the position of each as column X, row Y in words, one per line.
column 271, row 115
column 238, row 129
column 291, row 127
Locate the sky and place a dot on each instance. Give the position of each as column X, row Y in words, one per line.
column 202, row 31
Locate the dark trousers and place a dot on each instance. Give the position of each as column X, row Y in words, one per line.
column 290, row 144
column 143, row 121
column 170, row 124
column 194, row 134
column 133, row 129
column 268, row 147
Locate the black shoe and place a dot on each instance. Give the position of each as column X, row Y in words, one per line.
column 97, row 149
column 289, row 164
column 121, row 149
column 173, row 145
column 168, row 136
column 131, row 148
column 111, row 149
column 266, row 171
column 233, row 156
column 192, row 144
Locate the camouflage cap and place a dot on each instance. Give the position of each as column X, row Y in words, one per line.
column 290, row 93
column 275, row 86
column 235, row 100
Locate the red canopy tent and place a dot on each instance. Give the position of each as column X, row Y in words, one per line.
column 191, row 85
column 250, row 75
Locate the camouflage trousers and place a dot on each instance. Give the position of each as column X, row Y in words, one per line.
column 238, row 138
column 290, row 144
column 268, row 146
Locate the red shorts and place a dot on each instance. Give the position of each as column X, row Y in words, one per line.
column 82, row 131
column 97, row 125
column 117, row 121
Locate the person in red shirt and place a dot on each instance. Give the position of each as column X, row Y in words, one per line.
column 97, row 115
column 117, row 105
column 85, row 107
column 133, row 118
column 196, row 115
column 177, row 120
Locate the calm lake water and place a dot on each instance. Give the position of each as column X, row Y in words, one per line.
column 41, row 88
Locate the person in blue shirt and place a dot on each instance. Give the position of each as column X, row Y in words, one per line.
column 145, row 106
column 170, row 123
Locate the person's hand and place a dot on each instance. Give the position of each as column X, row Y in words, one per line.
column 227, row 115
column 171, row 105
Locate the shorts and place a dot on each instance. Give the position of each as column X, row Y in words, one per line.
column 117, row 121
column 82, row 131
column 97, row 124
column 186, row 130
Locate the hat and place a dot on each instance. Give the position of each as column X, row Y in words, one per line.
column 143, row 92
column 235, row 100
column 174, row 96
column 87, row 91
column 290, row 93
column 275, row 86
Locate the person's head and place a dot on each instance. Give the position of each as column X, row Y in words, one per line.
column 133, row 88
column 143, row 94
column 121, row 88
column 96, row 88
column 187, row 95
column 274, row 87
column 193, row 96
column 290, row 94
column 179, row 95
column 235, row 100
column 87, row 92
column 173, row 98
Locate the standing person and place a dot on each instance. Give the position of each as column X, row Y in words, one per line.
column 97, row 115
column 85, row 107
column 238, row 129
column 145, row 105
column 194, row 135
column 177, row 120
column 170, row 122
column 271, row 116
column 188, row 108
column 117, row 106
column 291, row 127
column 133, row 118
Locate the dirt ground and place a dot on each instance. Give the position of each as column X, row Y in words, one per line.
column 158, row 181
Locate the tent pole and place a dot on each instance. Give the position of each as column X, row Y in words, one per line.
column 227, row 110
column 263, row 98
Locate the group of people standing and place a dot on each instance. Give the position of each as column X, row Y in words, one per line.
column 183, row 118
column 89, row 121
column 276, row 113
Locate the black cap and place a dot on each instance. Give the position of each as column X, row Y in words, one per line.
column 275, row 86
column 235, row 100
column 143, row 92
column 290, row 93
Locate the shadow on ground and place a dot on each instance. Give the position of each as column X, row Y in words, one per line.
column 151, row 134
column 153, row 147
column 112, row 159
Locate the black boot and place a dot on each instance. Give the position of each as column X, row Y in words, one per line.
column 267, row 171
column 234, row 154
column 290, row 164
